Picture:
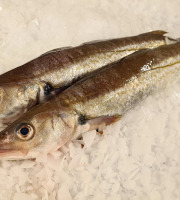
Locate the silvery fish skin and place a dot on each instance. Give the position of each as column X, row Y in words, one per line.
column 91, row 103
column 37, row 81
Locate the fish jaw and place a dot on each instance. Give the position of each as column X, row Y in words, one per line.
column 6, row 154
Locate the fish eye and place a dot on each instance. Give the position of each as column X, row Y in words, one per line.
column 48, row 89
column 25, row 131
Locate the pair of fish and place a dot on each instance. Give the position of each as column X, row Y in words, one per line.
column 46, row 76
column 96, row 100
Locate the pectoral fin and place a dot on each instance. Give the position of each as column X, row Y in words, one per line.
column 100, row 122
column 86, row 124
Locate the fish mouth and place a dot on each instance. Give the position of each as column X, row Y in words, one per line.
column 8, row 154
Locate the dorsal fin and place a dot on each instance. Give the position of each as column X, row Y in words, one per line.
column 158, row 32
column 55, row 50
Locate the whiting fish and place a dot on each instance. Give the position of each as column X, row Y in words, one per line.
column 46, row 76
column 97, row 100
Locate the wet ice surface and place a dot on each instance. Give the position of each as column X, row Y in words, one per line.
column 136, row 158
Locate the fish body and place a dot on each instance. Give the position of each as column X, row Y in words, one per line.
column 40, row 79
column 90, row 103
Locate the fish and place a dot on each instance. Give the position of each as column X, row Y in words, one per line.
column 44, row 77
column 91, row 103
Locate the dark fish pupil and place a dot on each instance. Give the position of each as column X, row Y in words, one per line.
column 24, row 131
column 48, row 89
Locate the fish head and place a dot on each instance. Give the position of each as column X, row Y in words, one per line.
column 37, row 131
column 16, row 99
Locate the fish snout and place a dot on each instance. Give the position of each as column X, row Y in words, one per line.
column 9, row 151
